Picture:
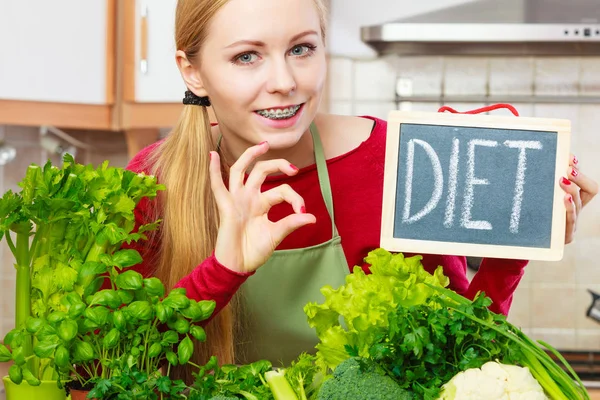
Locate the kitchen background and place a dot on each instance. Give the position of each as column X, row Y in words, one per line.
column 108, row 79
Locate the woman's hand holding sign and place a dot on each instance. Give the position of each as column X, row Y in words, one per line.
column 580, row 189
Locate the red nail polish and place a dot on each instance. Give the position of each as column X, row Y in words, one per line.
column 574, row 172
column 566, row 181
column 292, row 166
column 570, row 199
column 303, row 210
column 575, row 160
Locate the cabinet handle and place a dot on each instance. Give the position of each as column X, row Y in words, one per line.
column 144, row 40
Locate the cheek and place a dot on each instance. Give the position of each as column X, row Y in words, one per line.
column 313, row 77
column 236, row 89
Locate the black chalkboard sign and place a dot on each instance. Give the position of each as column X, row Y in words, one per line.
column 475, row 185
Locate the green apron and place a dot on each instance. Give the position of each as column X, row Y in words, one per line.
column 273, row 325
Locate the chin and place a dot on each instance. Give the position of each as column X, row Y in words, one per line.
column 282, row 140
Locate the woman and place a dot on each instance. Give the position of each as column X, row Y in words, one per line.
column 261, row 64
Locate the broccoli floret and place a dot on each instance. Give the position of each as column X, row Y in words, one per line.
column 360, row 379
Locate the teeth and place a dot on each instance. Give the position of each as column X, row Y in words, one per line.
column 279, row 113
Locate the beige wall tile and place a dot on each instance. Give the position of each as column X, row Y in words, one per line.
column 527, row 278
column 341, row 107
column 583, row 302
column 588, row 225
column 466, row 76
column 520, row 310
column 552, row 306
column 587, row 253
column 420, row 76
column 511, row 76
column 560, row 111
column 557, row 272
column 340, row 79
column 590, row 78
column 561, row 339
column 375, row 79
column 556, row 76
column 376, row 109
column 418, row 106
column 586, row 140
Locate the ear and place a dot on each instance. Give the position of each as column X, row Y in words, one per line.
column 190, row 74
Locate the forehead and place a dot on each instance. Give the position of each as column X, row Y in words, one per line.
column 263, row 20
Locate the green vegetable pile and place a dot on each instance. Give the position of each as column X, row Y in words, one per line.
column 69, row 224
column 396, row 333
column 422, row 334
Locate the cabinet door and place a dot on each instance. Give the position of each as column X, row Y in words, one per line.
column 56, row 51
column 157, row 78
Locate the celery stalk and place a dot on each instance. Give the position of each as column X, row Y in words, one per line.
column 280, row 387
column 23, row 295
column 95, row 252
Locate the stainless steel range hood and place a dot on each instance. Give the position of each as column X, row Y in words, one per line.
column 494, row 27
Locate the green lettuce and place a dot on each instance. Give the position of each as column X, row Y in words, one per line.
column 355, row 316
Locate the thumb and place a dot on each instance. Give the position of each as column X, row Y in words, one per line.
column 289, row 224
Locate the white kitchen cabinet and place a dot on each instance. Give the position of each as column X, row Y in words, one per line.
column 78, row 64
column 157, row 78
column 55, row 51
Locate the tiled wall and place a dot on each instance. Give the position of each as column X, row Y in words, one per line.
column 552, row 300
column 106, row 146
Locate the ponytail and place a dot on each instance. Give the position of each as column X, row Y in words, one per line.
column 188, row 231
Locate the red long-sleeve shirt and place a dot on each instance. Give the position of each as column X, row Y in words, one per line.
column 357, row 186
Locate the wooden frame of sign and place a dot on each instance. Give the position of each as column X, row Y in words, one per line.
column 399, row 232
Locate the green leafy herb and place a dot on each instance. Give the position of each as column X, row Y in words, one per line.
column 244, row 382
column 364, row 303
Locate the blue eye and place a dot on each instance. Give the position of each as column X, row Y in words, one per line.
column 302, row 50
column 246, row 58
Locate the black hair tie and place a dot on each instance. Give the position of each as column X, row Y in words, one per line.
column 191, row 99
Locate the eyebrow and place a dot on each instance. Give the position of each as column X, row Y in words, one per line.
column 258, row 43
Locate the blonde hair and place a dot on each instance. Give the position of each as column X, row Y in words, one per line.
column 190, row 218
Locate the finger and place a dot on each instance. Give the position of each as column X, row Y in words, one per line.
column 264, row 168
column 572, row 189
column 573, row 161
column 287, row 225
column 284, row 193
column 589, row 187
column 216, row 178
column 571, row 218
column 238, row 169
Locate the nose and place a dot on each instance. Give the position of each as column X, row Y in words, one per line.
column 281, row 78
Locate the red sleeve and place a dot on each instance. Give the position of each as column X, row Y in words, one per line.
column 212, row 281
column 498, row 278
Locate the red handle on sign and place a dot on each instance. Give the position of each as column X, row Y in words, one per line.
column 482, row 109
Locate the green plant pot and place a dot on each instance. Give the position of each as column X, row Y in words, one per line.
column 47, row 390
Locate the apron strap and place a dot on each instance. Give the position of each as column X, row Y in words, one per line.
column 323, row 175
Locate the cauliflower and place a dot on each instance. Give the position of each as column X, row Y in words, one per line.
column 493, row 381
